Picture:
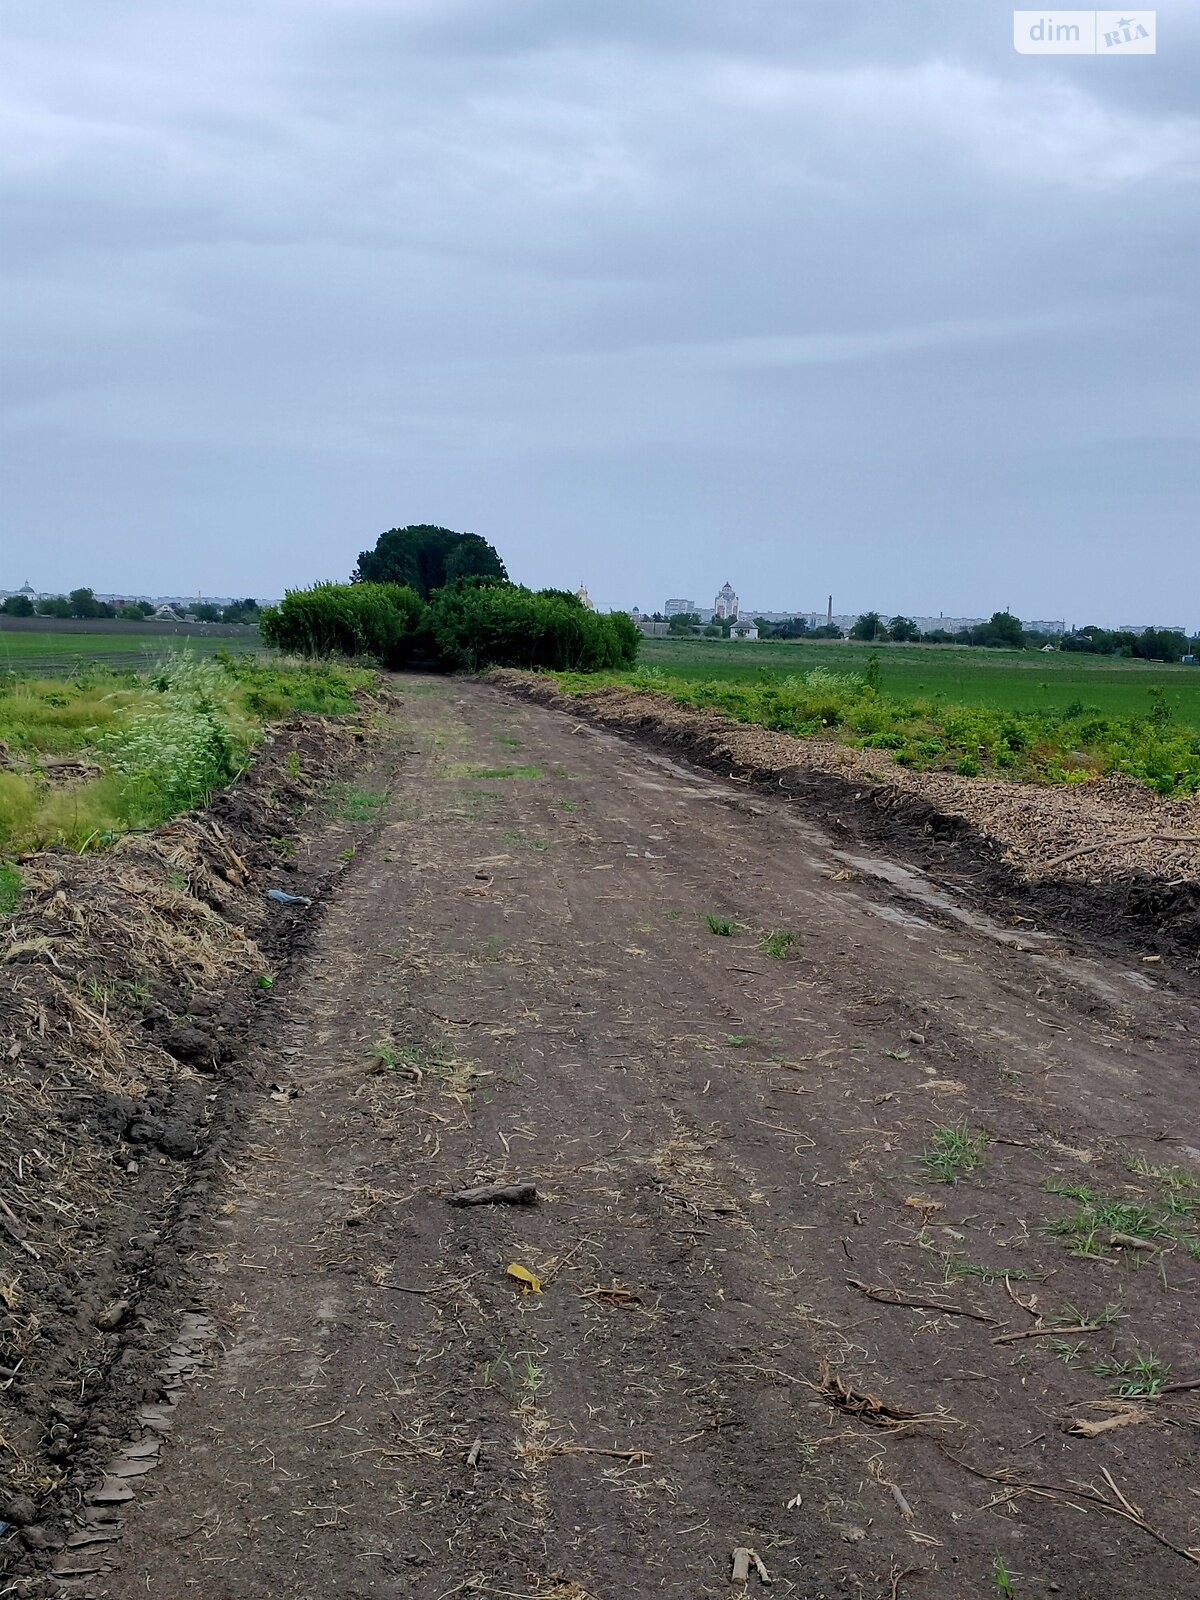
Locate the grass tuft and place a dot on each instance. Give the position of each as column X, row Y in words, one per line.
column 354, row 804
column 1070, row 1353
column 1002, row 1578
column 1089, row 1228
column 955, row 1268
column 952, row 1151
column 495, row 772
column 10, row 889
column 1140, row 1377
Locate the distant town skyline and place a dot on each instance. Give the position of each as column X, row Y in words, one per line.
column 682, row 604
column 925, row 620
column 121, row 596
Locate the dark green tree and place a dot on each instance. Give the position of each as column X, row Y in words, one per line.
column 206, row 613
column 903, row 630
column 789, row 628
column 17, row 605
column 1093, row 640
column 426, row 558
column 683, row 622
column 84, row 604
column 869, row 626
column 1161, row 644
column 1004, row 629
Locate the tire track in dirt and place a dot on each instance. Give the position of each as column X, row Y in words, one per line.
column 518, row 981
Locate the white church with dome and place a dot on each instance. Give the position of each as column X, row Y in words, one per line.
column 725, row 606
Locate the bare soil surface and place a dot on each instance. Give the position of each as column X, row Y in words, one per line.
column 1110, row 857
column 761, row 1322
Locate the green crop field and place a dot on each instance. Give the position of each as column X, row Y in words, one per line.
column 55, row 654
column 1009, row 680
column 1057, row 718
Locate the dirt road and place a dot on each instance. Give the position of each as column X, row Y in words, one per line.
column 763, row 1322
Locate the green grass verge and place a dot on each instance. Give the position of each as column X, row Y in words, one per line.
column 1072, row 744
column 88, row 759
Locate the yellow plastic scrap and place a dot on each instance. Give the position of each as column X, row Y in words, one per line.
column 529, row 1281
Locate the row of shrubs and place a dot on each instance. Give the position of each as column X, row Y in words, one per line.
column 464, row 627
column 1072, row 746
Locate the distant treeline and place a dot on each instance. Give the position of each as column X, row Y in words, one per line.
column 82, row 604
column 1002, row 631
column 446, row 598
column 1152, row 644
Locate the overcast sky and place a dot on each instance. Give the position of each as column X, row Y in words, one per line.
column 845, row 297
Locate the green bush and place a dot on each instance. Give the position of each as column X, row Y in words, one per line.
column 474, row 622
column 477, row 625
column 380, row 620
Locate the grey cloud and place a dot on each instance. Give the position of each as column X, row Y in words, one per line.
column 845, row 297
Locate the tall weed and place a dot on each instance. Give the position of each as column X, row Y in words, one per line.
column 162, row 743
